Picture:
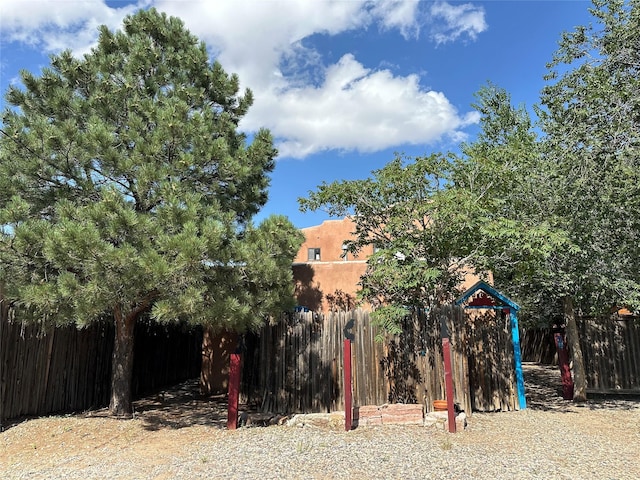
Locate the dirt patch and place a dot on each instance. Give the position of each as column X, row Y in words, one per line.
column 163, row 422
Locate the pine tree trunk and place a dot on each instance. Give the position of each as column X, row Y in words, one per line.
column 206, row 370
column 3, row 319
column 573, row 339
column 122, row 364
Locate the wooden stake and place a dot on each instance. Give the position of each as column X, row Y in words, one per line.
column 348, row 412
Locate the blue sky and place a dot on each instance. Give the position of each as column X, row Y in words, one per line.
column 342, row 84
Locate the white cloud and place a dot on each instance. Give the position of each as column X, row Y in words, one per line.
column 309, row 105
column 54, row 26
column 400, row 14
column 251, row 37
column 357, row 109
column 343, row 106
column 458, row 20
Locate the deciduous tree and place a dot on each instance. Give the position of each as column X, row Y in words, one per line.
column 591, row 118
column 562, row 212
column 421, row 246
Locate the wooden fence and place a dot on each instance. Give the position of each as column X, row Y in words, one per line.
column 611, row 349
column 492, row 375
column 67, row 369
column 537, row 345
column 296, row 365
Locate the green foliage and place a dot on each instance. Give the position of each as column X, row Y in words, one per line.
column 560, row 214
column 417, row 228
column 503, row 182
column 555, row 218
column 389, row 317
column 125, row 184
column 590, row 116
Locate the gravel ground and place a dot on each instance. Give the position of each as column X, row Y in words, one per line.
column 176, row 435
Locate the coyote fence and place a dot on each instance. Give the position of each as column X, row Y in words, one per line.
column 611, row 350
column 610, row 347
column 296, row 365
column 538, row 346
column 66, row 369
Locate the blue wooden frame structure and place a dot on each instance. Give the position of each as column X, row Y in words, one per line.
column 502, row 303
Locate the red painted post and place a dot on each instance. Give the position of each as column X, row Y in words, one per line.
column 448, row 384
column 563, row 363
column 348, row 407
column 234, row 391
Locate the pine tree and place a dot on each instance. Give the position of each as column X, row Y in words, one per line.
column 126, row 188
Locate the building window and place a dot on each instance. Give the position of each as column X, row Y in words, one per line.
column 314, row 254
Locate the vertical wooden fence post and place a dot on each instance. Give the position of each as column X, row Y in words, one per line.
column 348, row 407
column 234, row 391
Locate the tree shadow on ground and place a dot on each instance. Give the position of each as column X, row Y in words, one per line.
column 179, row 406
column 182, row 406
column 543, row 387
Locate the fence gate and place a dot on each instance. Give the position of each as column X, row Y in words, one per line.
column 492, row 376
column 494, row 349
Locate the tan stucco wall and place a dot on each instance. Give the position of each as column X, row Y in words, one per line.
column 329, row 237
column 316, row 280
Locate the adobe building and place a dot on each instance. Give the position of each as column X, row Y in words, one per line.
column 326, row 276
